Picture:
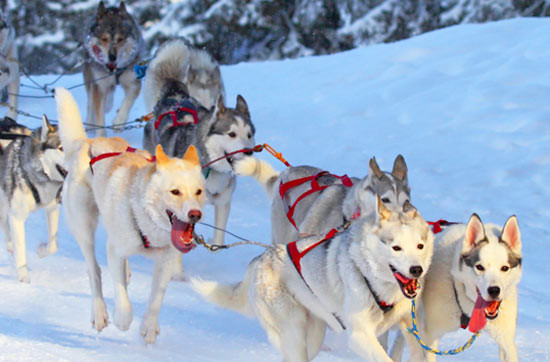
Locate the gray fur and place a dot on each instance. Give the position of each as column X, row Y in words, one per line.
column 9, row 66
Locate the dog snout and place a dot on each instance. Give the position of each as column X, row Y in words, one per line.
column 416, row 271
column 194, row 215
column 493, row 292
column 112, row 56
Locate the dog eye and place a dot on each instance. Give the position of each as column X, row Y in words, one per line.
column 385, row 200
column 480, row 267
column 249, row 135
column 232, row 134
column 120, row 40
column 420, row 246
column 199, row 191
column 175, row 192
column 505, row 268
column 396, row 248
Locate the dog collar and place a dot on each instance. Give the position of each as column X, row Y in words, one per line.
column 385, row 307
column 464, row 318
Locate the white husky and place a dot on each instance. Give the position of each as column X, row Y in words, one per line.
column 148, row 207
column 361, row 279
column 474, row 277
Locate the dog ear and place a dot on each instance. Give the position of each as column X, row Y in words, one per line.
column 242, row 106
column 220, row 107
column 192, row 156
column 122, row 7
column 399, row 168
column 373, row 166
column 46, row 129
column 161, row 156
column 383, row 212
column 511, row 235
column 475, row 232
column 410, row 210
column 101, row 9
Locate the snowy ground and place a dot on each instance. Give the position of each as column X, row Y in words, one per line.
column 467, row 106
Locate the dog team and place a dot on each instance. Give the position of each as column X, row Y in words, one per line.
column 348, row 253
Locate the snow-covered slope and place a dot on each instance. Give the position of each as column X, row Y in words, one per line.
column 467, row 106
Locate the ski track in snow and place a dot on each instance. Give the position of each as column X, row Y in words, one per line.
column 468, row 108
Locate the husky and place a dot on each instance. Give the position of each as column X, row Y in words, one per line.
column 360, row 280
column 472, row 284
column 148, row 206
column 179, row 61
column 321, row 211
column 9, row 66
column 215, row 133
column 113, row 45
column 10, row 130
column 31, row 176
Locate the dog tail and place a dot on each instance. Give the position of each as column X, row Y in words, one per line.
column 71, row 128
column 169, row 64
column 262, row 171
column 234, row 297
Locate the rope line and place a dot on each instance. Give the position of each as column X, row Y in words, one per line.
column 213, row 247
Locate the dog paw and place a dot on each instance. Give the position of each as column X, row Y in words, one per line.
column 180, row 277
column 150, row 330
column 100, row 318
column 45, row 249
column 123, row 318
column 23, row 275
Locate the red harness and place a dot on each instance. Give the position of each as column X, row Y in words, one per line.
column 113, row 154
column 174, row 114
column 315, row 187
column 437, row 225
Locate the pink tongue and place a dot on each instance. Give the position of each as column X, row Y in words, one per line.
column 182, row 235
column 478, row 319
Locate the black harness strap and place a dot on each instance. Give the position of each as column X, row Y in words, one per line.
column 382, row 305
column 34, row 191
column 464, row 318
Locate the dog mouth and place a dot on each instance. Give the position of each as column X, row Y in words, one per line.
column 181, row 234
column 111, row 66
column 229, row 159
column 483, row 310
column 408, row 286
column 61, row 170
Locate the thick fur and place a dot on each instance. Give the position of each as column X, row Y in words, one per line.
column 113, row 46
column 133, row 196
column 295, row 316
column 460, row 250
column 220, row 131
column 177, row 60
column 9, row 66
column 31, row 176
column 10, row 130
column 322, row 211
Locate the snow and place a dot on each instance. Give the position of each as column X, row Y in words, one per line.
column 468, row 108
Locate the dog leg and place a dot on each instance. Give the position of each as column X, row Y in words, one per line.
column 416, row 351
column 132, row 87
column 164, row 269
column 52, row 217
column 123, row 308
column 503, row 330
column 221, row 214
column 17, row 234
column 315, row 334
column 98, row 102
column 5, row 227
column 362, row 337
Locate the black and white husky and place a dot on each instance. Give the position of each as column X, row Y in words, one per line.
column 9, row 67
column 31, row 176
column 183, row 116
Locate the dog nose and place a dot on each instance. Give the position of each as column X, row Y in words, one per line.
column 493, row 291
column 112, row 56
column 416, row 271
column 194, row 216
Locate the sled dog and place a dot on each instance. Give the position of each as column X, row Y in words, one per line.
column 31, row 176
column 9, row 67
column 181, row 121
column 321, row 211
column 472, row 283
column 10, row 130
column 148, row 205
column 178, row 61
column 360, row 279
column 113, row 45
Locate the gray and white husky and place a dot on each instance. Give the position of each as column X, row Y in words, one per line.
column 322, row 211
column 9, row 67
column 113, row 46
column 362, row 279
column 31, row 176
column 217, row 132
column 178, row 60
column 10, row 130
column 473, row 282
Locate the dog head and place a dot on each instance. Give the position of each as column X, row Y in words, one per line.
column 114, row 37
column 490, row 260
column 230, row 130
column 204, row 84
column 175, row 196
column 402, row 244
column 47, row 139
